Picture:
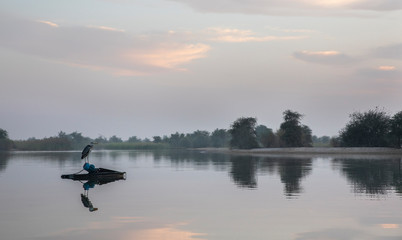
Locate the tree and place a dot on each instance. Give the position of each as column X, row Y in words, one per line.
column 396, row 129
column 367, row 129
column 101, row 139
column 199, row 139
column 77, row 140
column 5, row 142
column 114, row 139
column 184, row 141
column 175, row 139
column 220, row 138
column 243, row 133
column 335, row 141
column 291, row 130
column 265, row 136
column 62, row 134
column 133, row 139
column 157, row 139
column 3, row 134
column 307, row 138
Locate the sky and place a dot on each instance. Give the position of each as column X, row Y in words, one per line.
column 156, row 67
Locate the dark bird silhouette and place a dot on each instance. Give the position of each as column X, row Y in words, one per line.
column 87, row 150
column 87, row 203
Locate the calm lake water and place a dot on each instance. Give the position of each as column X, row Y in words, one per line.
column 181, row 195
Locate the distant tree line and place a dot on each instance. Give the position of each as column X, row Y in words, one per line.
column 246, row 135
column 323, row 141
column 374, row 128
column 76, row 141
column 62, row 141
column 197, row 139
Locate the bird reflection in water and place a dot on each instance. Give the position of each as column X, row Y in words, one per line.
column 91, row 183
column 84, row 196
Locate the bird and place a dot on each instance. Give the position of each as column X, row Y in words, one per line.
column 87, row 150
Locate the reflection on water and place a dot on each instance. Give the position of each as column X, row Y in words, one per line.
column 91, row 183
column 372, row 176
column 170, row 232
column 244, row 171
column 198, row 195
column 292, row 171
column 85, row 198
column 4, row 156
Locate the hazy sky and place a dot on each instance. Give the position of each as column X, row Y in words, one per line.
column 154, row 67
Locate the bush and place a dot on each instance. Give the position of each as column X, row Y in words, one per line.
column 367, row 129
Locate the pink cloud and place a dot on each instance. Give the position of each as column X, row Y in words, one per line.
column 329, row 57
column 238, row 35
column 100, row 48
column 107, row 28
column 386, row 68
column 168, row 56
column 52, row 24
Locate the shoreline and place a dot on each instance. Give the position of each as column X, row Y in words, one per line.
column 309, row 151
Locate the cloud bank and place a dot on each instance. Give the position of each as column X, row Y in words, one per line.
column 99, row 48
column 288, row 7
column 112, row 50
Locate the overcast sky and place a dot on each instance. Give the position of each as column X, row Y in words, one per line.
column 154, row 67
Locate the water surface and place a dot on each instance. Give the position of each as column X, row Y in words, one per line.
column 181, row 195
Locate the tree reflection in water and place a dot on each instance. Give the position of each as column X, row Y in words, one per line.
column 4, row 157
column 243, row 171
column 367, row 175
column 372, row 176
column 291, row 171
